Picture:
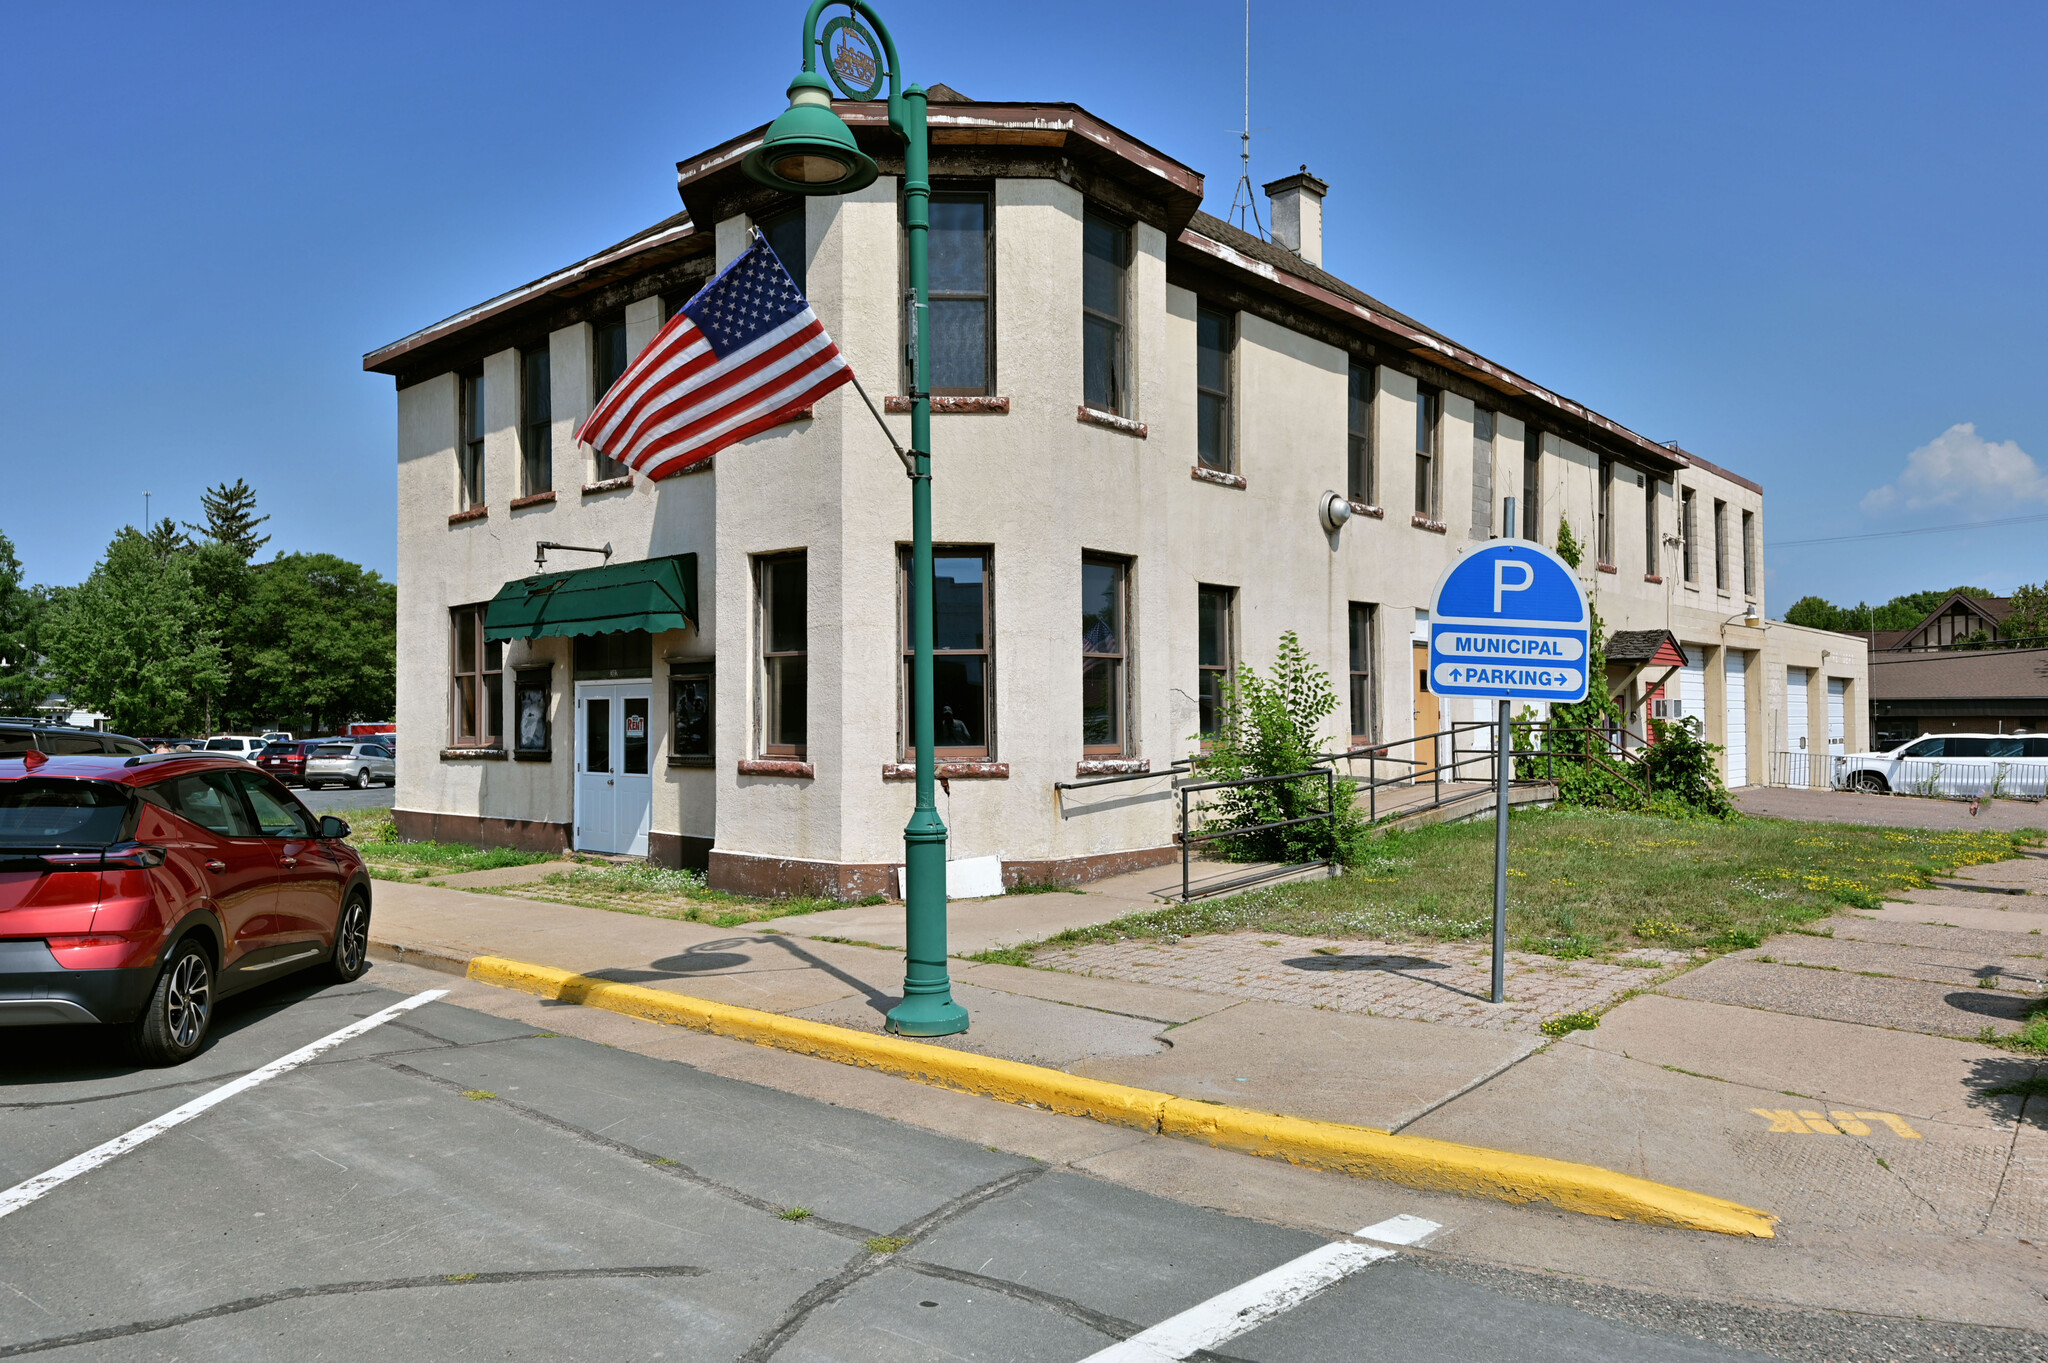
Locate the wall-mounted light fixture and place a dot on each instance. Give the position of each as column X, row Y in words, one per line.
column 1334, row 511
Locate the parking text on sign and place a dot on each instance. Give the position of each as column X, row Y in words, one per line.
column 1564, row 680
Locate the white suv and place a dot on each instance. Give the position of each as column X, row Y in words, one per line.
column 1952, row 767
column 236, row 745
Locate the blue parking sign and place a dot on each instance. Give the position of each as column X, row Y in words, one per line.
column 1509, row 622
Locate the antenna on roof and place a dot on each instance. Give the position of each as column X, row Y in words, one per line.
column 1244, row 201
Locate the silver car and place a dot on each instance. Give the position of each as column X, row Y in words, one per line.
column 350, row 762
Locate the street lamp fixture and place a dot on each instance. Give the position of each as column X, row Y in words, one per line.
column 809, row 150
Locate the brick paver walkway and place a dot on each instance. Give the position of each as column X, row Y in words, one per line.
column 1432, row 981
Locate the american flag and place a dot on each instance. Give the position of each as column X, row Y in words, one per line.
column 736, row 359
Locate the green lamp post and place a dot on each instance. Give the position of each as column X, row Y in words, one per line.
column 809, row 150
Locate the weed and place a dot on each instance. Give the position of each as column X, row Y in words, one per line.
column 1567, row 1023
column 478, row 1095
column 540, row 1035
column 1696, row 1074
column 1045, row 887
column 662, row 1160
column 887, row 1244
column 458, row 1277
column 1884, row 1164
column 1019, row 955
column 797, row 1214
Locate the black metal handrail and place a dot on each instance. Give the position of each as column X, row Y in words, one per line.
column 1189, row 838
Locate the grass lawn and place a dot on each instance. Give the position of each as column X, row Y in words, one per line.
column 1586, row 883
column 636, row 887
column 373, row 833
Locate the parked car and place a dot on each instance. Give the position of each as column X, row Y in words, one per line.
column 287, row 761
column 1952, row 766
column 277, row 736
column 138, row 892
column 244, row 746
column 349, row 762
column 22, row 735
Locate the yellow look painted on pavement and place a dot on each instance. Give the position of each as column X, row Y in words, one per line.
column 1805, row 1122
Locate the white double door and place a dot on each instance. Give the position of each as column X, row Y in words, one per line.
column 614, row 752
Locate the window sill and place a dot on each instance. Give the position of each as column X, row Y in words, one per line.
column 1656, row 578
column 472, row 754
column 693, row 760
column 777, row 766
column 949, row 771
column 1112, row 766
column 1422, row 522
column 1201, row 473
column 1605, row 568
column 622, row 483
column 1378, row 513
column 536, row 499
column 962, row 406
column 530, row 756
column 475, row 513
column 1089, row 416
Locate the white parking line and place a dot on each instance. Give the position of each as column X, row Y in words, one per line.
column 27, row 1191
column 1226, row 1316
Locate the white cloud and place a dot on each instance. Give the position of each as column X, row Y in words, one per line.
column 1961, row 469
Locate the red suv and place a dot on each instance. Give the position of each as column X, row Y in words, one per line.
column 141, row 891
column 287, row 761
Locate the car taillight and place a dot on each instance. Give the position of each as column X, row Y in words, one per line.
column 133, row 855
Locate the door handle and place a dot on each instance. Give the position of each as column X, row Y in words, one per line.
column 608, row 781
column 287, row 862
column 216, row 866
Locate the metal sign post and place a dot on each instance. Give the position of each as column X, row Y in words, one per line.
column 1508, row 622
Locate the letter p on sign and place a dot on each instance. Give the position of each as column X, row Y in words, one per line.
column 1501, row 568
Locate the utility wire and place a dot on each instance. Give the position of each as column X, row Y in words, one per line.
column 1922, row 530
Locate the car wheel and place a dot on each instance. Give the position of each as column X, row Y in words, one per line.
column 352, row 940
column 175, row 1022
column 1869, row 783
column 361, row 780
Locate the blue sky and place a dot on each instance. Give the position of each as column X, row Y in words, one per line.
column 1803, row 241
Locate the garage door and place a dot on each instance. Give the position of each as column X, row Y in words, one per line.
column 1838, row 714
column 1795, row 708
column 1736, row 735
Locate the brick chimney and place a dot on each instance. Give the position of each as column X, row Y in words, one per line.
column 1298, row 214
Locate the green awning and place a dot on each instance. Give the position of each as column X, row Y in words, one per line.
column 653, row 594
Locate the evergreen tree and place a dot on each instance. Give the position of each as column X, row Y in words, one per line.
column 231, row 518
column 165, row 538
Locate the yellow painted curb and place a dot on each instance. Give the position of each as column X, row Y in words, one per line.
column 1416, row 1161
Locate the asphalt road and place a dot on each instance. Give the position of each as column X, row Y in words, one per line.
column 453, row 1183
column 340, row 799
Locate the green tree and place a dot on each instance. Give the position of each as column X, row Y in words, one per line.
column 231, row 518
column 134, row 641
column 2028, row 623
column 165, row 538
column 1816, row 612
column 316, row 643
column 22, row 686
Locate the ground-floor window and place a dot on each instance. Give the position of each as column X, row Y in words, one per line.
column 963, row 654
column 476, row 687
column 690, row 692
column 783, row 585
column 1217, row 651
column 1364, row 722
column 530, row 712
column 1104, row 678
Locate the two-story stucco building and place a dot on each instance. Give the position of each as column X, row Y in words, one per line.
column 1141, row 412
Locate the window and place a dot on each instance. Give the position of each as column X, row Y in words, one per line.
column 621, row 653
column 469, row 459
column 963, row 700
column 1362, row 473
column 1483, row 426
column 1364, row 723
column 1688, row 532
column 1605, row 516
column 477, row 695
column 209, row 799
column 785, row 233
column 784, row 639
column 1104, row 681
column 1720, row 544
column 1652, row 543
column 536, row 424
column 1532, row 484
column 1429, row 411
column 1217, row 649
column 530, row 713
column 962, row 264
column 278, row 815
column 692, row 692
column 611, row 358
column 1214, row 337
column 1105, row 264
column 1749, row 553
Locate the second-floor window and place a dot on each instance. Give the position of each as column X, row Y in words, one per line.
column 785, row 233
column 536, row 423
column 1429, row 412
column 1689, row 534
column 962, row 266
column 1215, row 655
column 1103, row 654
column 785, row 649
column 1361, row 477
column 1105, row 265
column 963, row 694
column 1215, row 335
column 1532, row 484
column 610, row 358
column 1483, row 427
column 1363, row 721
column 1749, row 553
column 1720, row 544
column 469, row 455
column 1652, row 545
column 1605, row 517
